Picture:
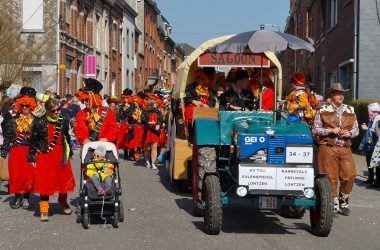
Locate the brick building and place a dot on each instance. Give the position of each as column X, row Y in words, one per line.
column 159, row 48
column 338, row 30
column 130, row 40
column 104, row 29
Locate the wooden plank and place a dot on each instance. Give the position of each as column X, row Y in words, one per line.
column 210, row 113
column 183, row 153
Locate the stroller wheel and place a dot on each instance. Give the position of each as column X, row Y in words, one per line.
column 79, row 218
column 86, row 221
column 121, row 212
column 79, row 213
column 115, row 221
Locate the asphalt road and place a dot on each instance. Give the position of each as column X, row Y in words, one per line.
column 158, row 217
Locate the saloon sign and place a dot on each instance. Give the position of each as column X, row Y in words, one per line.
column 233, row 60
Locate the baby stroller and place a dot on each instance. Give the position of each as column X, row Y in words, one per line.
column 90, row 204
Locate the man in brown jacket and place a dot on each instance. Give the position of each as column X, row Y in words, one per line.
column 335, row 125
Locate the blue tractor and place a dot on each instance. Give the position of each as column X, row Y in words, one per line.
column 256, row 159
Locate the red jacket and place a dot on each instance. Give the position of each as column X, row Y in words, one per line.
column 109, row 129
column 268, row 99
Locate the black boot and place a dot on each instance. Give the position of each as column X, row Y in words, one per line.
column 16, row 202
column 376, row 184
column 371, row 177
column 126, row 154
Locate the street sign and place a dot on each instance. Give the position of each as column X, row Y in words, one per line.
column 90, row 66
column 233, row 60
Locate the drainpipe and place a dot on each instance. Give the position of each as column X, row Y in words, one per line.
column 356, row 50
column 58, row 47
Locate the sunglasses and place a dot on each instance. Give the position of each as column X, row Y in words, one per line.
column 25, row 106
column 85, row 100
column 57, row 110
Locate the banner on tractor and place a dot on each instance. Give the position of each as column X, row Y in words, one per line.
column 233, row 60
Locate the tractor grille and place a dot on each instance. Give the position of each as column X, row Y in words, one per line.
column 277, row 150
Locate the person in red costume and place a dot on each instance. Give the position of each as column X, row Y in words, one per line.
column 50, row 153
column 267, row 89
column 152, row 120
column 198, row 94
column 16, row 132
column 136, row 129
column 123, row 120
column 94, row 122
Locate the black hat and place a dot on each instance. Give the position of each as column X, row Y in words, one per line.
column 241, row 74
column 92, row 85
column 29, row 91
column 208, row 70
column 127, row 91
column 142, row 95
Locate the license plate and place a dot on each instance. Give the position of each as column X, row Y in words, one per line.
column 299, row 154
column 267, row 202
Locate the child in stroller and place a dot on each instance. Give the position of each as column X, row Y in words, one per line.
column 100, row 170
column 100, row 184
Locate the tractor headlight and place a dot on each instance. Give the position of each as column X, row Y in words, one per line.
column 308, row 192
column 241, row 191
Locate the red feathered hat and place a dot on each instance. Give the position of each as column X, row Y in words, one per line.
column 298, row 79
column 139, row 100
column 27, row 97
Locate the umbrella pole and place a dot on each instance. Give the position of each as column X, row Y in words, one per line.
column 261, row 84
column 275, row 99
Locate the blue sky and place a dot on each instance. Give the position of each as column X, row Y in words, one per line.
column 195, row 21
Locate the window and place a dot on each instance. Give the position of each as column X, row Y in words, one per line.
column 334, row 12
column 121, row 40
column 113, row 83
column 114, row 43
column 106, row 77
column 68, row 73
column 106, row 37
column 127, row 42
column 85, row 36
column 79, row 75
column 133, row 43
column 33, row 75
column 68, row 15
column 169, row 63
column 165, row 63
column 79, row 31
column 33, row 15
column 97, row 32
column 68, row 67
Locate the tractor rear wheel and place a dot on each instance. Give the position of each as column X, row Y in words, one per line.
column 213, row 211
column 321, row 216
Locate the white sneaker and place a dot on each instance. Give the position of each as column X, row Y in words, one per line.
column 147, row 164
column 154, row 167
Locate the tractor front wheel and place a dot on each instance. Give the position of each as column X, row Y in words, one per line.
column 213, row 211
column 321, row 215
column 204, row 161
